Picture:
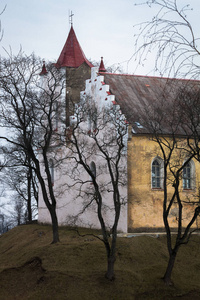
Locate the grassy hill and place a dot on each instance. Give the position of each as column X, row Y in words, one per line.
column 32, row 268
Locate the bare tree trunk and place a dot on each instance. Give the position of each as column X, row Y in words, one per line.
column 170, row 266
column 110, row 267
column 51, row 208
column 29, row 209
column 54, row 225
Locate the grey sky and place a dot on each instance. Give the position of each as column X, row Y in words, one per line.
column 103, row 28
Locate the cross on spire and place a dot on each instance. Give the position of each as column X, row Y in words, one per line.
column 70, row 18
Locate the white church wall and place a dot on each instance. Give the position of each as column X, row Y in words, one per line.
column 70, row 201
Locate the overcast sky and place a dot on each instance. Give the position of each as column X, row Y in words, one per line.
column 103, row 27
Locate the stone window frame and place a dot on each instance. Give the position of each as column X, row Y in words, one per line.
column 160, row 162
column 191, row 186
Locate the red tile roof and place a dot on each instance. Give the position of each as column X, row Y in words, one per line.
column 72, row 55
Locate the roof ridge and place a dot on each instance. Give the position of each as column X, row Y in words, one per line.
column 147, row 76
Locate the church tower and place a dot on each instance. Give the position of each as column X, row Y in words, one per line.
column 77, row 68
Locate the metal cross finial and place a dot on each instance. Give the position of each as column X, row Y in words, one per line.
column 70, row 18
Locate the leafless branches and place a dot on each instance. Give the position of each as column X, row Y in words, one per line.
column 98, row 147
column 171, row 38
column 174, row 125
column 29, row 107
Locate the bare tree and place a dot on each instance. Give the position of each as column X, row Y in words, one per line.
column 173, row 123
column 98, row 148
column 170, row 36
column 19, row 211
column 28, row 109
column 19, row 177
column 1, row 29
column 5, row 223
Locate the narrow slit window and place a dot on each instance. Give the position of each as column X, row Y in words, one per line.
column 51, row 170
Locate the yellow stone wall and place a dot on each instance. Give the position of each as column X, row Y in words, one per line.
column 144, row 203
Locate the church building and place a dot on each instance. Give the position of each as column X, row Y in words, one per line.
column 143, row 211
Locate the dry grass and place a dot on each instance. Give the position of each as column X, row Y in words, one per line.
column 32, row 268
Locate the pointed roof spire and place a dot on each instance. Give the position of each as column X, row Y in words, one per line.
column 72, row 55
column 101, row 67
column 44, row 70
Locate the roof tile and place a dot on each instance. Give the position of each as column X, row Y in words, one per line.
column 135, row 94
column 72, row 55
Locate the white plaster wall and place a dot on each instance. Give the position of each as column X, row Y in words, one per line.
column 68, row 204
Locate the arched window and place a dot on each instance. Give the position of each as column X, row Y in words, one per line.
column 156, row 174
column 51, row 170
column 188, row 176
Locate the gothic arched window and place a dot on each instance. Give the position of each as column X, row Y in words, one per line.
column 156, row 174
column 188, row 176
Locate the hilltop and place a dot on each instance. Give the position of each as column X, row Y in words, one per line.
column 32, row 268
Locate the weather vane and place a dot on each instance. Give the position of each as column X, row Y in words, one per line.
column 70, row 18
